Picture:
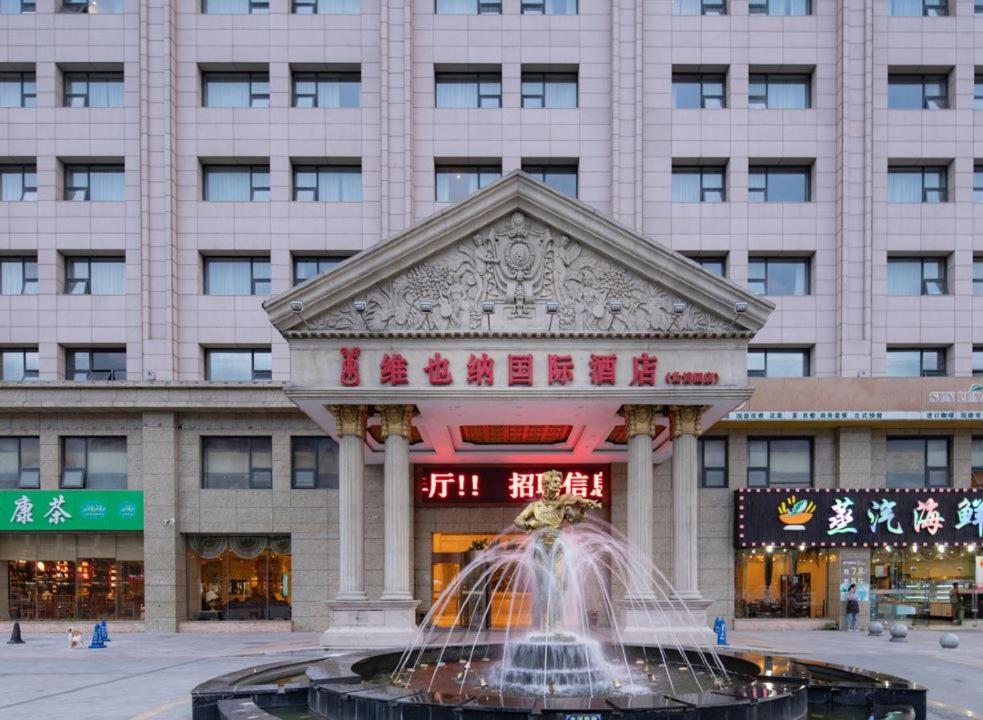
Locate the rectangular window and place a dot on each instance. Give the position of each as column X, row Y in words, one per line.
column 778, row 275
column 698, row 90
column 97, row 463
column 915, row 362
column 95, row 364
column 327, row 7
column 977, row 276
column 774, row 362
column 918, row 184
column 93, row 89
column 699, row 7
column 468, row 90
column 18, row 276
column 712, row 454
column 918, row 8
column 916, row 276
column 238, row 365
column 18, row 364
column 18, row 183
column 235, row 89
column 468, row 7
column 18, row 89
column 549, row 7
column 780, row 7
column 314, row 463
column 236, row 183
column 327, row 183
column 549, row 90
column 456, row 182
column 92, row 7
column 977, row 361
column 917, row 92
column 235, row 7
column 95, row 183
column 306, row 267
column 978, row 92
column 915, row 462
column 236, row 463
column 978, row 183
column 717, row 264
column 779, row 462
column 779, row 183
column 778, row 91
column 20, row 463
column 16, row 7
column 237, row 276
column 95, row 276
column 698, row 184
column 562, row 178
column 327, row 89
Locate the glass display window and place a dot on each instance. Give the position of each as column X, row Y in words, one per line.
column 915, row 584
column 783, row 583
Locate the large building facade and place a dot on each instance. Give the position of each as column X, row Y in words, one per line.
column 167, row 167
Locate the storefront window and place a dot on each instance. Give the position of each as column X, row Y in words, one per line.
column 239, row 577
column 782, row 583
column 913, row 584
column 83, row 589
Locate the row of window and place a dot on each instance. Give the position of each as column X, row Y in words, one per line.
column 303, row 7
column 788, row 462
column 895, row 8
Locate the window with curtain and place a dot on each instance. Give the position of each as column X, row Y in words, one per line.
column 236, row 463
column 20, row 463
column 18, row 276
column 699, row 7
column 780, row 7
column 777, row 362
column 327, row 89
column 238, row 365
column 93, row 89
column 97, row 463
column 235, row 89
column 917, row 8
column 917, row 184
column 698, row 184
column 18, row 364
column 914, row 462
column 18, row 89
column 237, row 275
column 95, row 364
column 328, row 183
column 314, row 463
column 778, row 275
column 239, row 577
column 235, row 7
column 456, row 182
column 16, row 7
column 906, row 91
column 468, row 89
column 92, row 7
column 916, row 276
column 95, row 183
column 549, row 7
column 549, row 90
column 779, row 462
column 95, row 275
column 560, row 177
column 306, row 267
column 779, row 91
column 779, row 183
column 468, row 7
column 327, row 7
column 915, row 362
column 236, row 183
column 698, row 90
column 712, row 456
column 18, row 183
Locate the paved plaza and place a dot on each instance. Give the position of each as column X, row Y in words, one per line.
column 149, row 676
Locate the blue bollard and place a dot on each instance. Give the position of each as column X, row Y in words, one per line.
column 105, row 631
column 97, row 640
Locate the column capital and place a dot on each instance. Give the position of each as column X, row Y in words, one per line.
column 685, row 420
column 350, row 419
column 396, row 420
column 641, row 419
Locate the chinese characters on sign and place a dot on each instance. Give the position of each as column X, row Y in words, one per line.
column 70, row 510
column 858, row 517
column 479, row 370
column 500, row 484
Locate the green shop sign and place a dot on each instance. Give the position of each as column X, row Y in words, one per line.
column 70, row 510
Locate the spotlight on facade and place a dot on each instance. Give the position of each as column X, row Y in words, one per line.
column 487, row 307
column 615, row 306
column 426, row 306
column 678, row 307
column 740, row 307
column 359, row 306
column 297, row 306
column 770, row 549
column 552, row 307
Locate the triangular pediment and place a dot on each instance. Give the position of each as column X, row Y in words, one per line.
column 518, row 257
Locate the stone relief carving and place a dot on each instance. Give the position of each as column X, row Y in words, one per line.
column 519, row 265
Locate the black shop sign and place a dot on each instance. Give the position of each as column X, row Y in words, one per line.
column 844, row 517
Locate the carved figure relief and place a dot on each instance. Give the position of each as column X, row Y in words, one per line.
column 519, row 265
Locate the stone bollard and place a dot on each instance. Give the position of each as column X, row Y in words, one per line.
column 875, row 629
column 899, row 631
column 15, row 638
column 950, row 641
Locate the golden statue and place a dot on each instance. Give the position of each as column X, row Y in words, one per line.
column 546, row 517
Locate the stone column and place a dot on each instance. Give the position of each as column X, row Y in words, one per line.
column 685, row 424
column 397, row 425
column 640, row 428
column 350, row 421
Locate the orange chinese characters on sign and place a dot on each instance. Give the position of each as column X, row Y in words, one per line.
column 692, row 378
column 503, row 485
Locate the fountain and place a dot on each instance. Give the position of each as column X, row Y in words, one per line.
column 584, row 656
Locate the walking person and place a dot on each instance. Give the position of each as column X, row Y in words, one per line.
column 954, row 603
column 852, row 607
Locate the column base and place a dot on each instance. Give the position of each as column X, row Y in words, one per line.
column 679, row 620
column 356, row 624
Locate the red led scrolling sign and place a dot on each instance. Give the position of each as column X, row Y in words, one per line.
column 504, row 484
